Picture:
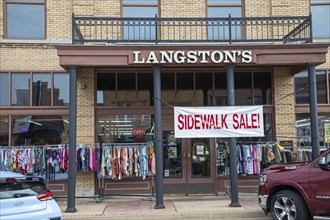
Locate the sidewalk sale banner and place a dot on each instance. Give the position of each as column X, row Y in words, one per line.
column 231, row 121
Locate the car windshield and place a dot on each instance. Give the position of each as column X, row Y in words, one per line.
column 18, row 189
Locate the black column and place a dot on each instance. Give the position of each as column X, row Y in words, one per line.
column 313, row 110
column 72, row 141
column 158, row 138
column 232, row 141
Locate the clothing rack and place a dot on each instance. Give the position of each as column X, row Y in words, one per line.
column 101, row 181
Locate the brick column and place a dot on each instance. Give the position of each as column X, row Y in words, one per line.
column 285, row 118
column 85, row 125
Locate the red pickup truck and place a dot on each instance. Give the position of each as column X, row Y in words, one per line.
column 297, row 191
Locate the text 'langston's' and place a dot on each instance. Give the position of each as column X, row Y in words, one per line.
column 193, row 56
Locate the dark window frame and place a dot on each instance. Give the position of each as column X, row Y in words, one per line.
column 25, row 2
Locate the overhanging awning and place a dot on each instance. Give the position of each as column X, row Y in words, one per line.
column 124, row 55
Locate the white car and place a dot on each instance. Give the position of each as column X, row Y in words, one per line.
column 26, row 197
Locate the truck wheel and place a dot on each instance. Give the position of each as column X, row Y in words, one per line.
column 289, row 205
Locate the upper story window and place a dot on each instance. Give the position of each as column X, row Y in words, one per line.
column 139, row 9
column 25, row 19
column 321, row 18
column 222, row 9
column 34, row 89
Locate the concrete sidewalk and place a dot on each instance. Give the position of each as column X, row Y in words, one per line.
column 187, row 207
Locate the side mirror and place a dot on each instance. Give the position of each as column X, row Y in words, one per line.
column 323, row 164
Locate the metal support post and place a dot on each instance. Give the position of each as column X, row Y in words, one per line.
column 313, row 110
column 232, row 141
column 72, row 141
column 158, row 138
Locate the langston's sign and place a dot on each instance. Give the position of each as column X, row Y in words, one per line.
column 193, row 56
column 232, row 121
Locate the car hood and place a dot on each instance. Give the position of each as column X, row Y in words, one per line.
column 285, row 167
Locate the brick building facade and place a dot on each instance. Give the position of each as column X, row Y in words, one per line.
column 54, row 53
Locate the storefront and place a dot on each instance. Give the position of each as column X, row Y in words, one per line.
column 120, row 80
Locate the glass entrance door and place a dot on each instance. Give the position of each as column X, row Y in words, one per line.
column 187, row 165
column 199, row 169
column 200, row 158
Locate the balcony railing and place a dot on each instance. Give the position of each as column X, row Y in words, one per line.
column 108, row 30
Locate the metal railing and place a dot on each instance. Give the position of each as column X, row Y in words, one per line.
column 107, row 30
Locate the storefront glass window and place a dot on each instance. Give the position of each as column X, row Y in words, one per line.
column 262, row 92
column 25, row 19
column 145, row 89
column 41, row 89
column 203, row 92
column 61, row 89
column 4, row 89
column 125, row 128
column 268, row 127
column 126, row 89
column 168, row 90
column 220, row 96
column 321, row 87
column 40, row 130
column 4, row 130
column 106, row 89
column 185, row 89
column 303, row 125
column 243, row 88
column 135, row 89
column 20, row 89
column 302, row 87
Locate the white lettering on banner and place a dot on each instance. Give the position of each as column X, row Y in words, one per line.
column 232, row 121
column 217, row 56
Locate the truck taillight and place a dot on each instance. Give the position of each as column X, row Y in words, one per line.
column 262, row 179
column 45, row 196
